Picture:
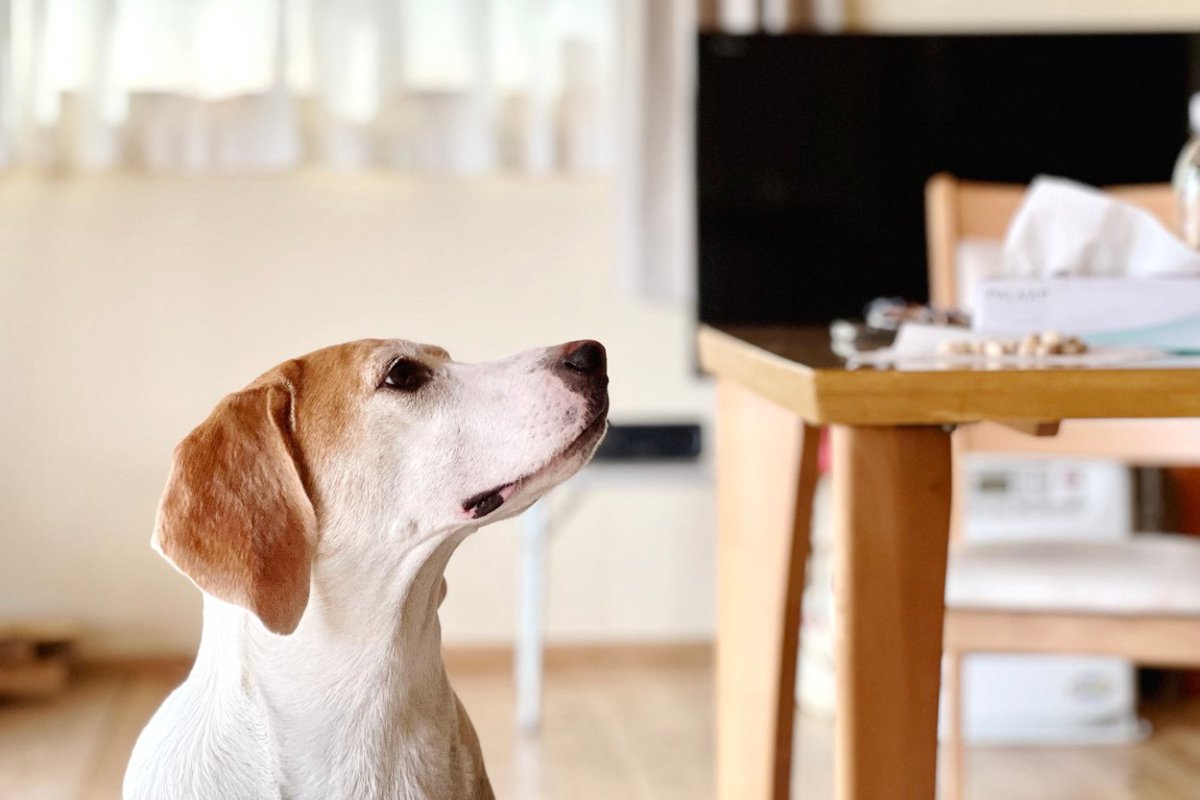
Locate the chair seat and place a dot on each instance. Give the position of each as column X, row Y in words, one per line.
column 1149, row 573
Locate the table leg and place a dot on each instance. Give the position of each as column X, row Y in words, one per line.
column 766, row 472
column 892, row 499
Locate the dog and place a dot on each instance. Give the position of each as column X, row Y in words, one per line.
column 316, row 510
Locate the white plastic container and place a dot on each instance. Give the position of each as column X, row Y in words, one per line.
column 1008, row 698
column 1021, row 699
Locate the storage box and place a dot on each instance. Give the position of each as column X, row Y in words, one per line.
column 1162, row 313
column 35, row 657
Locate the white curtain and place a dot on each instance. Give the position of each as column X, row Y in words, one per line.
column 656, row 170
column 457, row 86
column 657, row 167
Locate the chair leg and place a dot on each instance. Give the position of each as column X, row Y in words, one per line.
column 531, row 618
column 955, row 771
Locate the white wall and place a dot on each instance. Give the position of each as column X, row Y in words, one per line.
column 129, row 305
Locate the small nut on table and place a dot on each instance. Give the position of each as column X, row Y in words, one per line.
column 1073, row 346
column 1033, row 345
column 957, row 347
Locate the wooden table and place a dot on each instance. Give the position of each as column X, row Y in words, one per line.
column 892, row 491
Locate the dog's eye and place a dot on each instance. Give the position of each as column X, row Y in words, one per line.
column 407, row 376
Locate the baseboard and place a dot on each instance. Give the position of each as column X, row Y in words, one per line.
column 461, row 658
column 566, row 656
column 111, row 664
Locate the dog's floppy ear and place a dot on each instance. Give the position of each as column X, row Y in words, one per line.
column 235, row 516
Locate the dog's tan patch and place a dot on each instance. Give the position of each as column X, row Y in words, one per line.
column 235, row 516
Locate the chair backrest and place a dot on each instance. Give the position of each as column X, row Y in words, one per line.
column 957, row 210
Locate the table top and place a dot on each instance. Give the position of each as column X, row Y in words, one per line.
column 795, row 367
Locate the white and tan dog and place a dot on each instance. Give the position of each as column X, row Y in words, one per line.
column 317, row 509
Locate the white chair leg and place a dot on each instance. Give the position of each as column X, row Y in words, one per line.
column 531, row 610
column 955, row 772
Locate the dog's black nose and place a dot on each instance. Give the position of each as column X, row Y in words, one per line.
column 586, row 357
column 583, row 367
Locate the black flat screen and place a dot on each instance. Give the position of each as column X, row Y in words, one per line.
column 813, row 150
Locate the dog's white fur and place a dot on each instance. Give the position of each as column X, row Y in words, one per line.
column 355, row 702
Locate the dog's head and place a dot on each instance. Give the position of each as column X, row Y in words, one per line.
column 370, row 446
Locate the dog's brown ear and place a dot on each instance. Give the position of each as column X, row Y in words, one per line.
column 235, row 516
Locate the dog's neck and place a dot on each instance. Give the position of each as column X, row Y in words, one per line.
column 358, row 693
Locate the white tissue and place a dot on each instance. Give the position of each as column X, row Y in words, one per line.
column 1066, row 228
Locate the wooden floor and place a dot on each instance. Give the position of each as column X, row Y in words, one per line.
column 633, row 726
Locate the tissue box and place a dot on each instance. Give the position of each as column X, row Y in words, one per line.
column 1162, row 313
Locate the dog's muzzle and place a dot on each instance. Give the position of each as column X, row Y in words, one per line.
column 583, row 367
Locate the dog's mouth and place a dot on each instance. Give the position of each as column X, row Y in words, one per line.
column 480, row 505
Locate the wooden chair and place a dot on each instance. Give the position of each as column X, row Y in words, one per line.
column 1157, row 620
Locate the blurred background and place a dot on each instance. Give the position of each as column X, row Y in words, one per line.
column 194, row 190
